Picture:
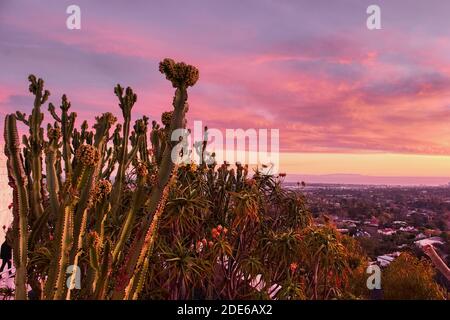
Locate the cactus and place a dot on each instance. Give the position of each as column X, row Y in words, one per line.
column 18, row 183
column 81, row 218
column 67, row 122
column 181, row 76
column 36, row 143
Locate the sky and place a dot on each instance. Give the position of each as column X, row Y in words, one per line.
column 346, row 99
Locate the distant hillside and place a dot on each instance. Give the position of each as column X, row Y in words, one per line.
column 363, row 179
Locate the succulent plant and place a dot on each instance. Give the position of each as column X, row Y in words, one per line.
column 93, row 223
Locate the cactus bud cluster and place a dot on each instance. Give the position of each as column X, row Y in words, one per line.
column 109, row 118
column 100, row 192
column 87, row 155
column 180, row 74
column 54, row 134
column 102, row 189
column 166, row 118
column 141, row 170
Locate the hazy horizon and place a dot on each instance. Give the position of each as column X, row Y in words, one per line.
column 358, row 179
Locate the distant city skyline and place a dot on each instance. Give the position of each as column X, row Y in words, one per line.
column 346, row 100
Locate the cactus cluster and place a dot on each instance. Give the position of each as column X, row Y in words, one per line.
column 73, row 203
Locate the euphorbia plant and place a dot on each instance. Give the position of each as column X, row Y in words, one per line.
column 67, row 209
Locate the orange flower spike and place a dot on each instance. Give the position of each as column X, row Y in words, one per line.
column 293, row 267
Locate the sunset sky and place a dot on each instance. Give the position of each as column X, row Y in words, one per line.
column 346, row 99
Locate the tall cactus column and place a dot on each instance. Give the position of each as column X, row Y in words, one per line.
column 126, row 103
column 36, row 143
column 18, row 182
column 181, row 76
column 67, row 122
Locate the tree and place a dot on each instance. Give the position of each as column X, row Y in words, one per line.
column 410, row 278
